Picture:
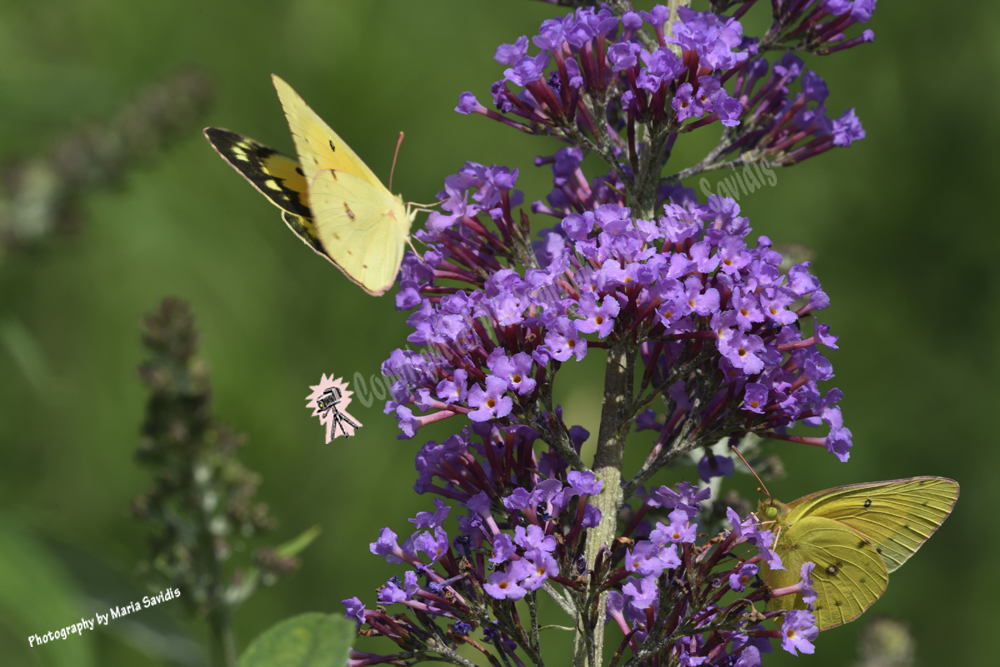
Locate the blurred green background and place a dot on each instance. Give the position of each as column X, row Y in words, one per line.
column 905, row 243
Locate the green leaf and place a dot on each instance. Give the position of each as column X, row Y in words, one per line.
column 24, row 349
column 308, row 640
column 294, row 546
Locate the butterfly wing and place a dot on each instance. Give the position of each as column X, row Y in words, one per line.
column 360, row 225
column 274, row 175
column 849, row 575
column 363, row 228
column 897, row 517
column 318, row 146
column 305, row 229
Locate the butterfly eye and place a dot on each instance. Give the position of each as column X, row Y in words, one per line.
column 771, row 512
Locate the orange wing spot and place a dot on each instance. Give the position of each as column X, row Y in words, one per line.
column 390, row 213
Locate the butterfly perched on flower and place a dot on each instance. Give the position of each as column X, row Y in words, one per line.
column 329, row 198
column 856, row 535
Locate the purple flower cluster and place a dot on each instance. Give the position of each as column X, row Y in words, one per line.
column 680, row 75
column 500, row 479
column 635, row 603
column 594, row 52
column 526, row 518
column 683, row 286
column 820, row 26
column 709, row 46
column 782, row 127
column 709, row 335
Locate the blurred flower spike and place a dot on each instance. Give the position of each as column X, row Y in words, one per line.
column 200, row 510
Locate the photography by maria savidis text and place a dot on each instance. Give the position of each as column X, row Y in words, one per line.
column 99, row 619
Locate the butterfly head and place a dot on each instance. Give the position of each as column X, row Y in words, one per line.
column 771, row 511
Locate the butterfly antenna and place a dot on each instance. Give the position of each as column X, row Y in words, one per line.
column 615, row 189
column 737, row 452
column 393, row 170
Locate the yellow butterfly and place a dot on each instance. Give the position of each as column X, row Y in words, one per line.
column 856, row 535
column 329, row 198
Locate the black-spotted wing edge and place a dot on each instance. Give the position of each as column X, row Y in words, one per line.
column 273, row 174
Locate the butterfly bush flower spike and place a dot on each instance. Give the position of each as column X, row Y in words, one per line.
column 710, row 336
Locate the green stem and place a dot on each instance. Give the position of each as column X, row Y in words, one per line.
column 222, row 644
column 535, row 654
column 608, row 458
